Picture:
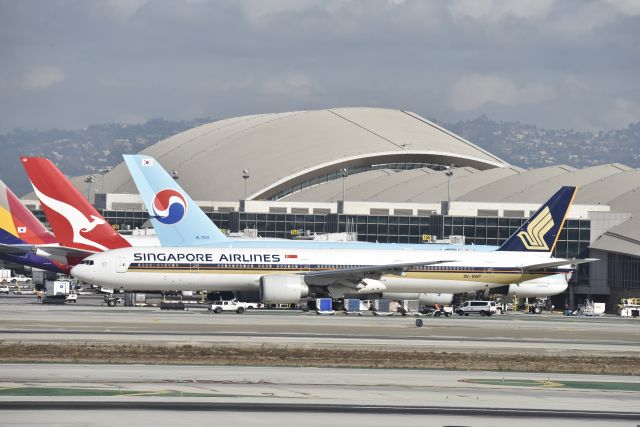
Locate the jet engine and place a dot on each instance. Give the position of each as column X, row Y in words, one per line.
column 424, row 298
column 282, row 289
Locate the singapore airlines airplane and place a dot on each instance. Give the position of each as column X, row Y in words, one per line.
column 286, row 271
column 156, row 188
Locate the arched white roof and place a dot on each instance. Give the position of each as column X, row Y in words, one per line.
column 285, row 151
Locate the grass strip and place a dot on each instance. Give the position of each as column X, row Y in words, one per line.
column 266, row 355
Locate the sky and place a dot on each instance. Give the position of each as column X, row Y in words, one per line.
column 571, row 64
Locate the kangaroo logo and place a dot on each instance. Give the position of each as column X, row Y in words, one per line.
column 77, row 220
column 169, row 206
column 533, row 237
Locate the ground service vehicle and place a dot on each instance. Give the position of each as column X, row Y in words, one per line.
column 484, row 308
column 20, row 279
column 232, row 305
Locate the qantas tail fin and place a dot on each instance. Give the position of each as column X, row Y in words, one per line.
column 17, row 224
column 178, row 221
column 74, row 221
column 540, row 232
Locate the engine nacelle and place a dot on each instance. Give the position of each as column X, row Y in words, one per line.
column 424, row 298
column 371, row 286
column 282, row 289
column 540, row 288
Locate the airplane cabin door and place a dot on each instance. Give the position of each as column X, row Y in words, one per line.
column 121, row 265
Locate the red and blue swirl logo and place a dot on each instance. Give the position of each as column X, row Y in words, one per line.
column 169, row 206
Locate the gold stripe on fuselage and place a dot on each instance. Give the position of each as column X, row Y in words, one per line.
column 498, row 277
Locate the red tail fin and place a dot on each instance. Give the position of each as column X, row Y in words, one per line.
column 74, row 221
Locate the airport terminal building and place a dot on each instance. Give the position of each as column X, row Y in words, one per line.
column 391, row 176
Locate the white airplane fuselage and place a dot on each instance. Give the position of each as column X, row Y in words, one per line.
column 239, row 267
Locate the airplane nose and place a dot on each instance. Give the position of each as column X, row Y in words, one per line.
column 77, row 272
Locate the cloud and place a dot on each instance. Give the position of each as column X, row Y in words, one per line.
column 623, row 112
column 473, row 91
column 495, row 10
column 122, row 10
column 626, row 7
column 42, row 77
column 294, row 85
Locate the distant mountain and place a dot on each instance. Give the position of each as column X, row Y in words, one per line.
column 84, row 151
column 528, row 146
column 87, row 151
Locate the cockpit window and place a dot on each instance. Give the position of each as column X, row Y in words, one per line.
column 87, row 262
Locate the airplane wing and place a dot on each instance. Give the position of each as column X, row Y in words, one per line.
column 63, row 251
column 19, row 249
column 352, row 276
column 544, row 265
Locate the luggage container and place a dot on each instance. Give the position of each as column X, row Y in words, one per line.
column 381, row 307
column 409, row 307
column 57, row 287
column 324, row 306
column 353, row 306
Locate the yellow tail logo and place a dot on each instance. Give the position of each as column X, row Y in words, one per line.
column 533, row 238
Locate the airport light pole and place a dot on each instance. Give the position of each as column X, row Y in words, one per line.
column 90, row 179
column 449, row 174
column 103, row 172
column 344, row 173
column 245, row 177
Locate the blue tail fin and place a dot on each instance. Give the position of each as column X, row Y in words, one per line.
column 178, row 221
column 540, row 233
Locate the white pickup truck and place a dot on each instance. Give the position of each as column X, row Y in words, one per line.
column 20, row 279
column 232, row 305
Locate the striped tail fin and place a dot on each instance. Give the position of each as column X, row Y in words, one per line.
column 540, row 232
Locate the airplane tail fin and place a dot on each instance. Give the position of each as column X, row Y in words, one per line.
column 178, row 221
column 74, row 221
column 17, row 224
column 540, row 232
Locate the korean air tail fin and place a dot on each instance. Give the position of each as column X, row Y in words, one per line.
column 540, row 232
column 178, row 221
column 74, row 221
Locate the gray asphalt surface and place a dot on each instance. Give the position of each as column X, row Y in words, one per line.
column 26, row 321
column 206, row 395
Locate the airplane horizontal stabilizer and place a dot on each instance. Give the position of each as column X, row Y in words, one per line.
column 570, row 262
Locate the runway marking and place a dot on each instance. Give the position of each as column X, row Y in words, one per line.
column 582, row 385
column 88, row 392
column 242, row 407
